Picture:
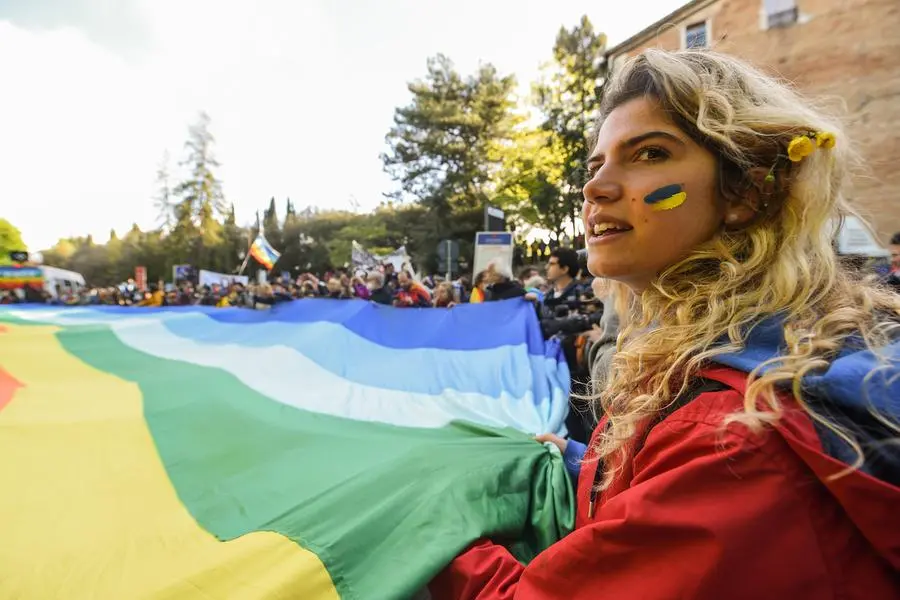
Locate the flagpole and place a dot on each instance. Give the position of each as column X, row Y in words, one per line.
column 244, row 264
column 249, row 245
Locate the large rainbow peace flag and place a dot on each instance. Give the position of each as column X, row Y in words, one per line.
column 324, row 449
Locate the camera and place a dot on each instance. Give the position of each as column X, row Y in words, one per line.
column 572, row 318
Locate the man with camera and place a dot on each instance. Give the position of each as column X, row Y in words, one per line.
column 562, row 269
column 567, row 313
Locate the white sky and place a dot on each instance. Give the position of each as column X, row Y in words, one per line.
column 300, row 92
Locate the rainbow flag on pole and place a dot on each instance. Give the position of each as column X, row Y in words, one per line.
column 263, row 252
column 321, row 450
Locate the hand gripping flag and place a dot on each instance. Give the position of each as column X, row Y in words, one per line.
column 325, row 449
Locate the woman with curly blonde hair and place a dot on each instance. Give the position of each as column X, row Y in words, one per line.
column 748, row 445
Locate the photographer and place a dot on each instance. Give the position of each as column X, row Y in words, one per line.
column 569, row 313
column 562, row 268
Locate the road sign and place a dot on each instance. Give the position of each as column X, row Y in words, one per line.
column 448, row 252
column 493, row 247
column 494, row 219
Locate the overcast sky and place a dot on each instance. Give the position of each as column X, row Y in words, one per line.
column 300, row 93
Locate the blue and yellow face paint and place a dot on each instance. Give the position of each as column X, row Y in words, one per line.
column 666, row 198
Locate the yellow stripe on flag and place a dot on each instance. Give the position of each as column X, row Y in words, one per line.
column 86, row 507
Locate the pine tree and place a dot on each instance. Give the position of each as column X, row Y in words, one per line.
column 197, row 232
column 271, row 225
column 443, row 145
column 162, row 201
column 570, row 101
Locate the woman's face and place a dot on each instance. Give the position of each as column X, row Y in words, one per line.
column 651, row 198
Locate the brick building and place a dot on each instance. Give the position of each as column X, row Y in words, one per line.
column 839, row 48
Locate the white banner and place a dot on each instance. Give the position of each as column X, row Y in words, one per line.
column 363, row 259
column 212, row 278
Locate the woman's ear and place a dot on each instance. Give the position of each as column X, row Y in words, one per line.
column 756, row 200
column 738, row 216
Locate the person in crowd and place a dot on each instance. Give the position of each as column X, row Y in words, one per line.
column 536, row 288
column 154, row 298
column 478, row 288
column 336, row 290
column 527, row 273
column 499, row 286
column 444, row 296
column 281, row 292
column 307, row 289
column 410, row 293
column 462, row 289
column 379, row 291
column 390, row 276
column 748, row 447
column 562, row 269
column 893, row 277
column 358, row 285
column 265, row 297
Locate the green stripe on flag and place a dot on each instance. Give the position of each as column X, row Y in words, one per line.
column 384, row 507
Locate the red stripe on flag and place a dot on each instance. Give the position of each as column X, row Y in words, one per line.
column 8, row 383
column 8, row 387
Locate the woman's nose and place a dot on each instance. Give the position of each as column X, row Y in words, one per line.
column 602, row 187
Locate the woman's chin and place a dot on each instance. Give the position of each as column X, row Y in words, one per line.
column 624, row 273
column 599, row 267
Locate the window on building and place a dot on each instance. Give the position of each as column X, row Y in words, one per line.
column 695, row 36
column 780, row 13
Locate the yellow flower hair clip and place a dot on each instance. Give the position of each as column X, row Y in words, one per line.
column 804, row 145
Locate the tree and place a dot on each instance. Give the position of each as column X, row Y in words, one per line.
column 200, row 201
column 234, row 242
column 10, row 240
column 443, row 147
column 271, row 225
column 570, row 100
column 290, row 214
column 162, row 201
column 533, row 179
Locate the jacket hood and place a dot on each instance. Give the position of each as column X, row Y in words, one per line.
column 860, row 391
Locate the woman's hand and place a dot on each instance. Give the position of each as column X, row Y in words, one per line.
column 554, row 439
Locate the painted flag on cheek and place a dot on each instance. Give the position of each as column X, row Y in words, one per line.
column 666, row 198
column 325, row 449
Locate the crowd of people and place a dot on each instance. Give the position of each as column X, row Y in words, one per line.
column 565, row 283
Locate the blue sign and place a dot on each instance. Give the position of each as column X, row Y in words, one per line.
column 493, row 239
column 182, row 271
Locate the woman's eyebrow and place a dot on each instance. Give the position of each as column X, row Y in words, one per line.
column 634, row 141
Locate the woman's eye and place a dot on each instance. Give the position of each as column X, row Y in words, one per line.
column 651, row 154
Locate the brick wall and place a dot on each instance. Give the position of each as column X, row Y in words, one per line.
column 846, row 49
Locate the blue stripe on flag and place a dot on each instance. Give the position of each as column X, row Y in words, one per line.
column 465, row 327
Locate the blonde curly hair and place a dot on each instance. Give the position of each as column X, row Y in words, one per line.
column 783, row 263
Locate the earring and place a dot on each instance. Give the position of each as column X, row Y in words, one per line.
column 731, row 217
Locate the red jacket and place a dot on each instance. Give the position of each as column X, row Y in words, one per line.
column 701, row 512
column 415, row 295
